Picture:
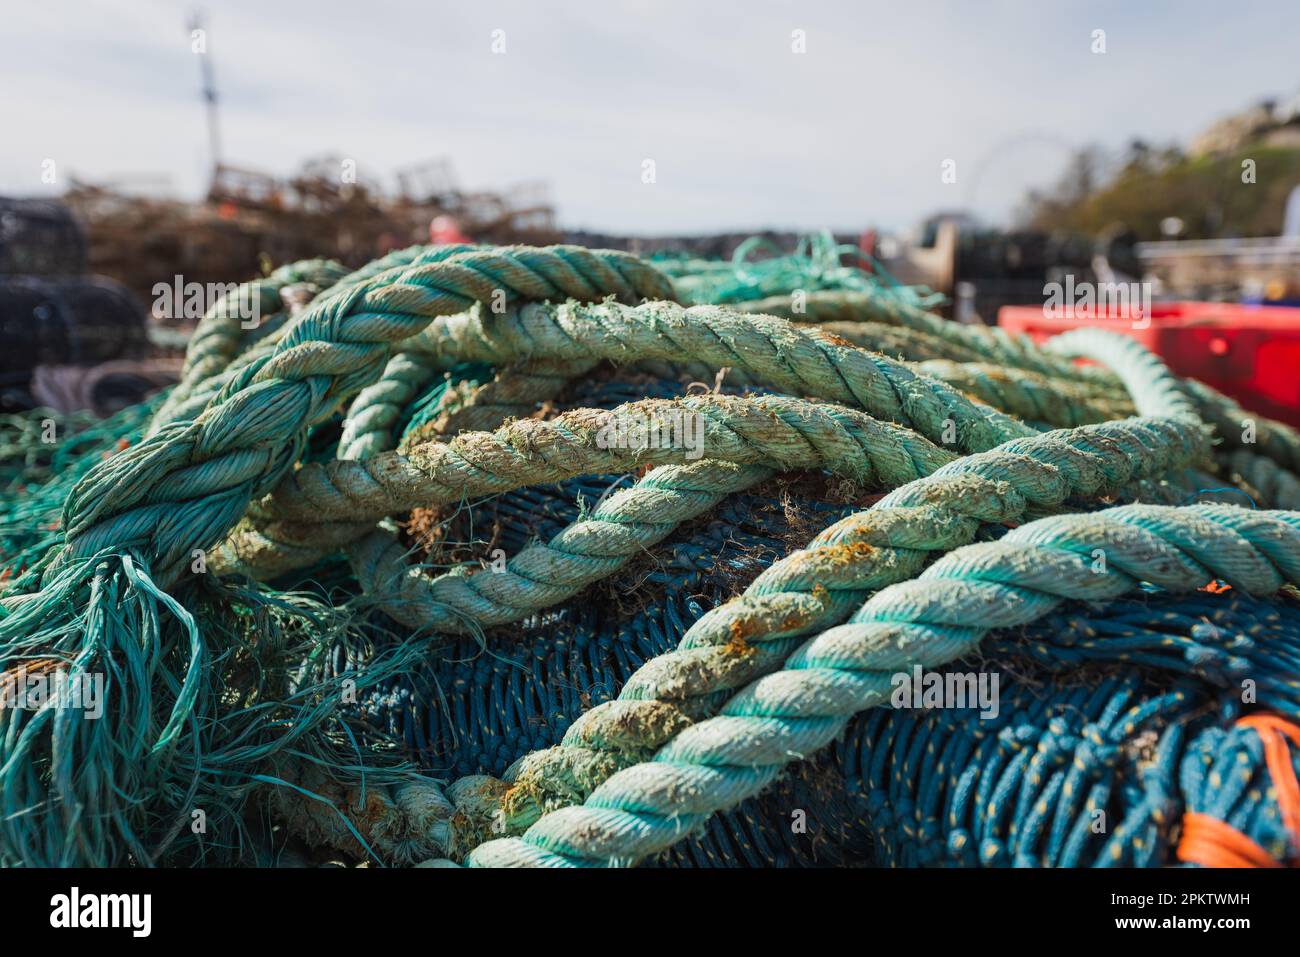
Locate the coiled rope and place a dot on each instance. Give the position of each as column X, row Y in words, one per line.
column 246, row 444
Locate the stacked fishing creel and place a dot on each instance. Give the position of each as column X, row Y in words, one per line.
column 719, row 697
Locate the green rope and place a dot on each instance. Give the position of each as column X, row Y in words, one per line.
column 749, row 441
column 796, row 360
column 558, row 777
column 716, row 763
column 793, row 359
column 1234, row 425
column 221, row 334
column 514, row 393
column 765, row 433
column 1029, row 395
column 132, row 524
column 406, row 345
column 1276, row 486
column 817, row 587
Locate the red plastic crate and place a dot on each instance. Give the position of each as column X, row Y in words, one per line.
column 1252, row 353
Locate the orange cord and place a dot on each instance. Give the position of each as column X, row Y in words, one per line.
column 1213, row 843
column 1274, row 731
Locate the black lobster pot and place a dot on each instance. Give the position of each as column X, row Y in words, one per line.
column 39, row 238
column 67, row 320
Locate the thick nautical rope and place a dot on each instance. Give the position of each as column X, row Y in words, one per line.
column 793, row 359
column 133, row 523
column 990, row 343
column 1153, row 389
column 786, row 433
column 1060, row 403
column 899, row 341
column 368, row 428
column 210, row 376
column 374, row 412
column 760, row 433
column 376, row 408
column 1279, row 487
column 222, row 344
column 820, row 585
column 265, row 550
column 401, row 259
column 519, row 388
column 1242, row 429
column 185, row 487
column 850, row 445
column 1026, row 395
column 221, row 333
column 1134, row 449
column 715, row 763
column 203, row 471
column 799, row 361
column 817, row 587
column 416, row 813
column 515, row 392
column 1236, row 426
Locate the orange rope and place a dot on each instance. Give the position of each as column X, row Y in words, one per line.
column 1213, row 843
column 1274, row 730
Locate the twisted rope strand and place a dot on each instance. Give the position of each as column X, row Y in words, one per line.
column 797, row 360
column 376, row 408
column 792, row 359
column 620, row 528
column 715, row 763
column 817, row 587
column 188, row 484
column 820, row 585
column 770, row 431
column 1029, row 395
column 1237, row 427
column 220, row 334
column 514, row 393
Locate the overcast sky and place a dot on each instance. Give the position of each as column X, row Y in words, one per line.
column 744, row 132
